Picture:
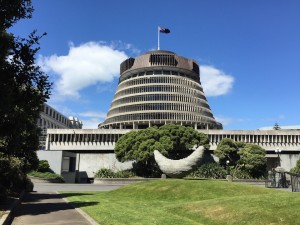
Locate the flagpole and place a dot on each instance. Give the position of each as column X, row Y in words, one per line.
column 157, row 38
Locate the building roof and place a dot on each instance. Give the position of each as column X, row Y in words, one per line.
column 291, row 127
column 159, row 58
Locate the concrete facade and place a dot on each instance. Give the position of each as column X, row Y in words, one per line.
column 50, row 118
column 94, row 148
column 61, row 162
column 156, row 88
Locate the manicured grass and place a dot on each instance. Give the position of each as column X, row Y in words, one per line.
column 190, row 202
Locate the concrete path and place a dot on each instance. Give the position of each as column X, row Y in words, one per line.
column 48, row 209
column 45, row 206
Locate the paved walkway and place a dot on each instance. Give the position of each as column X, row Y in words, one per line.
column 45, row 206
column 48, row 209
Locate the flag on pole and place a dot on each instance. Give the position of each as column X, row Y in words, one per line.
column 164, row 30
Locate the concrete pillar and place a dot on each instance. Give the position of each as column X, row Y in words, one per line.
column 195, row 126
column 47, row 147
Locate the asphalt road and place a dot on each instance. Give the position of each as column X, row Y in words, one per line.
column 53, row 187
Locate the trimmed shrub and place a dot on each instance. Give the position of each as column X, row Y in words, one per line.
column 241, row 174
column 108, row 173
column 209, row 170
column 124, row 174
column 43, row 166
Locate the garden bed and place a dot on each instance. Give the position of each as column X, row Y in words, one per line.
column 44, row 180
column 121, row 181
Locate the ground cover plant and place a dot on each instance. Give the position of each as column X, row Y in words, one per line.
column 44, row 171
column 174, row 202
column 46, row 175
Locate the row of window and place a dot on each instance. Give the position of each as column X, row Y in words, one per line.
column 257, row 138
column 48, row 124
column 174, row 116
column 84, row 137
column 160, row 106
column 161, row 88
column 160, row 97
column 213, row 138
column 163, row 80
column 127, row 76
column 55, row 115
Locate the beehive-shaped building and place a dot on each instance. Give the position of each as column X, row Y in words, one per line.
column 156, row 88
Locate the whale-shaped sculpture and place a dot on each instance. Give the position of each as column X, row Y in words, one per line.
column 178, row 168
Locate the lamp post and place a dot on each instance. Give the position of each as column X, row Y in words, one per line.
column 227, row 167
column 278, row 151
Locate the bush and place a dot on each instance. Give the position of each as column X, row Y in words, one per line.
column 105, row 173
column 209, row 170
column 240, row 174
column 296, row 169
column 11, row 175
column 43, row 166
column 124, row 174
column 108, row 173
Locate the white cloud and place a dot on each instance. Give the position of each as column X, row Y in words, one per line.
column 227, row 120
column 91, row 119
column 85, row 65
column 214, row 81
column 100, row 115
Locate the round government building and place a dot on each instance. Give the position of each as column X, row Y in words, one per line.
column 157, row 88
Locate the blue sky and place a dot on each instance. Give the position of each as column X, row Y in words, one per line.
column 249, row 53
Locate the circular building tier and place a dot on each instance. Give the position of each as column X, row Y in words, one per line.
column 156, row 88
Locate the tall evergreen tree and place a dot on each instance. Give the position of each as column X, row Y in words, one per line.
column 23, row 86
column 276, row 126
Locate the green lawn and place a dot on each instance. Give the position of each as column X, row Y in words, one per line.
column 181, row 202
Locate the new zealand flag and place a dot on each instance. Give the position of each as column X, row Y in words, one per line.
column 164, row 30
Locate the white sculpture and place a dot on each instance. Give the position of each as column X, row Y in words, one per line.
column 178, row 168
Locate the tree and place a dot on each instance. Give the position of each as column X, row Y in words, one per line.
column 246, row 159
column 296, row 169
column 23, row 87
column 227, row 149
column 276, row 126
column 171, row 140
column 253, row 160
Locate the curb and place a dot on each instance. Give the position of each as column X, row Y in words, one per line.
column 8, row 216
column 85, row 215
